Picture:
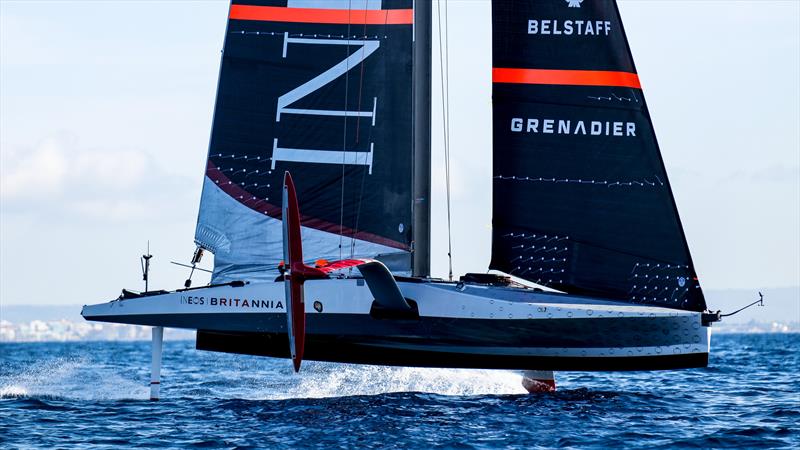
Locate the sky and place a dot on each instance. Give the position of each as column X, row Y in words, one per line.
column 105, row 115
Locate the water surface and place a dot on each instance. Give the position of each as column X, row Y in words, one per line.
column 96, row 394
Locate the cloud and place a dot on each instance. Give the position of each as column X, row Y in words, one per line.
column 57, row 165
column 776, row 174
column 58, row 175
column 110, row 209
column 41, row 171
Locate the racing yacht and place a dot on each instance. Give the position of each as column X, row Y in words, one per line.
column 316, row 201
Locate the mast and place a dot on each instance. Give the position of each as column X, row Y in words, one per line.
column 421, row 255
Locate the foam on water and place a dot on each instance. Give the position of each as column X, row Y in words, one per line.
column 228, row 377
column 71, row 378
column 42, row 378
column 344, row 380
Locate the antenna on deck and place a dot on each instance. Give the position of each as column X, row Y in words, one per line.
column 145, row 260
column 196, row 257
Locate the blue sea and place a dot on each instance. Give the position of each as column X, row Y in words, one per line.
column 95, row 394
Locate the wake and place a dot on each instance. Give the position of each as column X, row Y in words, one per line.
column 347, row 380
column 235, row 377
column 72, row 378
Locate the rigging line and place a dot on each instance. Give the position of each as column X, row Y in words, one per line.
column 447, row 132
column 360, row 196
column 361, row 83
column 344, row 132
column 358, row 210
column 359, row 200
column 444, row 72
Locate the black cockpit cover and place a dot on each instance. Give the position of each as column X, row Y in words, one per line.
column 322, row 89
column 582, row 202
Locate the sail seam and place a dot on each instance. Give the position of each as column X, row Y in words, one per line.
column 644, row 182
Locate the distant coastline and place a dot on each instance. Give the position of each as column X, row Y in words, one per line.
column 73, row 331
column 755, row 327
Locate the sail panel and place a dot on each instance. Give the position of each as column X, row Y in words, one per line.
column 582, row 202
column 321, row 89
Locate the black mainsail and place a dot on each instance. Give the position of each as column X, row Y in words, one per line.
column 323, row 89
column 582, row 202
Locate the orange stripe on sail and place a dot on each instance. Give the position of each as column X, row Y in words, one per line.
column 566, row 77
column 318, row 15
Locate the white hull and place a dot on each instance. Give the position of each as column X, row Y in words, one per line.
column 459, row 325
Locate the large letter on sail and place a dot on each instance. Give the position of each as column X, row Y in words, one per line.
column 326, row 156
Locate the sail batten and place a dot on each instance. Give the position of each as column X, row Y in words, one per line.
column 582, row 201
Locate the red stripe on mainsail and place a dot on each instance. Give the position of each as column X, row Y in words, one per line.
column 566, row 77
column 266, row 208
column 318, row 15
